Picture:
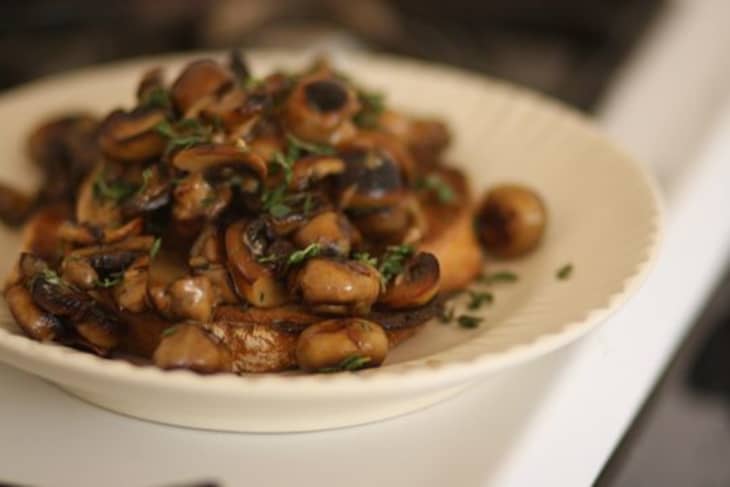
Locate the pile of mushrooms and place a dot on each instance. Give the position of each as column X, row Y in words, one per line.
column 228, row 223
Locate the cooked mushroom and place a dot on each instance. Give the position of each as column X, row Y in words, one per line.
column 329, row 344
column 114, row 258
column 320, row 108
column 79, row 272
column 311, row 169
column 330, row 230
column 189, row 346
column 15, row 206
column 151, row 82
column 89, row 233
column 425, row 138
column 335, row 286
column 131, row 136
column 42, row 233
column 213, row 158
column 255, row 282
column 260, row 340
column 91, row 208
column 187, row 298
column 195, row 198
column 371, row 179
column 511, row 220
column 153, row 194
column 207, row 258
column 416, row 285
column 380, row 147
column 35, row 322
column 130, row 294
column 198, row 85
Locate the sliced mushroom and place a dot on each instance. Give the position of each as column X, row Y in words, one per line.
column 100, row 330
column 199, row 84
column 320, row 109
column 311, row 169
column 426, row 139
column 372, row 179
column 330, row 230
column 187, row 298
column 335, row 286
column 195, row 198
column 153, row 194
column 79, row 272
column 15, row 206
column 42, row 233
column 260, row 340
column 90, row 234
column 189, row 346
column 114, row 258
column 255, row 282
column 151, row 81
column 380, row 146
column 215, row 157
column 328, row 344
column 130, row 294
column 93, row 210
column 35, row 322
column 131, row 136
column 416, row 285
column 511, row 220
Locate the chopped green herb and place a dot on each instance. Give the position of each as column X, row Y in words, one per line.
column 447, row 315
column 564, row 272
column 299, row 256
column 365, row 258
column 392, row 262
column 373, row 105
column 280, row 162
column 185, row 134
column 158, row 97
column 351, row 363
column 301, row 145
column 169, row 331
column 478, row 299
column 50, row 276
column 110, row 281
column 209, row 199
column 155, row 249
column 433, row 182
column 501, row 276
column 307, row 206
column 467, row 321
column 112, row 190
column 279, row 210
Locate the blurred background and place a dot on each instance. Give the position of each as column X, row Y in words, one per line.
column 576, row 50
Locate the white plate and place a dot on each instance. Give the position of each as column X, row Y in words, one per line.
column 605, row 218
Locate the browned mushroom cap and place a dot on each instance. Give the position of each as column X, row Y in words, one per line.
column 42, row 233
column 131, row 136
column 114, row 258
column 320, row 109
column 261, row 340
column 130, row 294
column 100, row 330
column 90, row 208
column 189, row 346
column 328, row 344
column 187, row 298
column 65, row 148
column 382, row 146
column 372, row 179
column 335, row 286
column 213, row 158
column 330, row 230
column 79, row 272
column 311, row 169
column 416, row 285
column 245, row 243
column 511, row 220
column 425, row 138
column 89, row 234
column 34, row 322
column 153, row 194
column 199, row 84
column 15, row 206
column 237, row 111
column 403, row 222
column 195, row 198
column 151, row 81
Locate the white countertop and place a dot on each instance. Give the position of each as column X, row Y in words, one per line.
column 553, row 421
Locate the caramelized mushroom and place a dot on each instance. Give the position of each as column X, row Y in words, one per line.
column 79, row 272
column 130, row 294
column 416, row 285
column 330, row 230
column 211, row 157
column 425, row 138
column 34, row 322
column 195, row 198
column 198, row 85
column 15, row 206
column 188, row 346
column 89, row 233
column 187, row 298
column 311, row 169
column 131, row 136
column 328, row 344
column 335, row 286
column 254, row 282
column 511, row 220
column 151, row 81
column 153, row 194
column 320, row 109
